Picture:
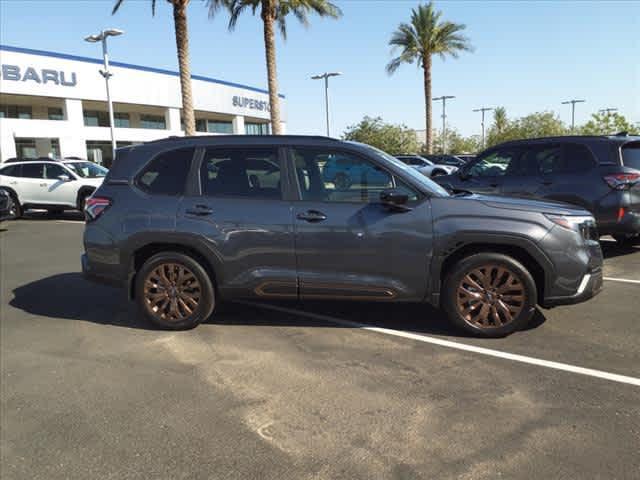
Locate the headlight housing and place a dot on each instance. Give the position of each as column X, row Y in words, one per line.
column 571, row 222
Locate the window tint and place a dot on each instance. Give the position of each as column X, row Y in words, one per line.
column 253, row 173
column 167, row 173
column 340, row 177
column 495, row 164
column 631, row 155
column 11, row 171
column 33, row 170
column 52, row 171
column 570, row 158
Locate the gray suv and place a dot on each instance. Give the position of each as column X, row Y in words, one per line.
column 185, row 223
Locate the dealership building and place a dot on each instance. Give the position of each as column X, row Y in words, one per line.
column 55, row 105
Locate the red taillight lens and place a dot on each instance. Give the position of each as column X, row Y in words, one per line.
column 95, row 206
column 622, row 181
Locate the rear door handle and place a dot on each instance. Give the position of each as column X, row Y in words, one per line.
column 311, row 216
column 200, row 210
column 546, row 182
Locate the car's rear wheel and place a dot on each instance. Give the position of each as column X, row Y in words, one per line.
column 174, row 291
column 15, row 209
column 489, row 294
column 628, row 240
column 341, row 181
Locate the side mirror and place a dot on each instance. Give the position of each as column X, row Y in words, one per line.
column 395, row 200
column 64, row 178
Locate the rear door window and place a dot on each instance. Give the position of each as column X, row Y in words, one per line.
column 241, row 172
column 33, row 170
column 631, row 155
column 167, row 173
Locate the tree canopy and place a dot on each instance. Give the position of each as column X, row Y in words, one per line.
column 393, row 139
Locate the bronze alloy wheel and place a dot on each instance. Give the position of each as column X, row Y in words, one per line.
column 171, row 292
column 490, row 296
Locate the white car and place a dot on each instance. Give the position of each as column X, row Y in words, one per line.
column 426, row 167
column 50, row 184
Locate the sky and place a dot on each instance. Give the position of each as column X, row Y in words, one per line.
column 528, row 56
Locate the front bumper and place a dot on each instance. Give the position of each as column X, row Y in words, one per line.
column 590, row 286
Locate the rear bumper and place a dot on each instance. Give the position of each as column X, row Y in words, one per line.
column 90, row 273
column 628, row 224
column 590, row 286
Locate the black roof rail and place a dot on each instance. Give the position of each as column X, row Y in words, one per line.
column 622, row 134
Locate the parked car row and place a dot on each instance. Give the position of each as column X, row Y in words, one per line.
column 49, row 184
column 599, row 173
column 182, row 224
column 426, row 167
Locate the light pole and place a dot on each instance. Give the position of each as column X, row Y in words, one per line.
column 326, row 76
column 102, row 37
column 607, row 111
column 573, row 111
column 444, row 99
column 482, row 110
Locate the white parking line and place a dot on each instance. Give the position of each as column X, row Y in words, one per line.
column 69, row 221
column 613, row 377
column 623, row 280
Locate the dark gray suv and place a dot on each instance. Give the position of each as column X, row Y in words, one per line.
column 598, row 173
column 184, row 223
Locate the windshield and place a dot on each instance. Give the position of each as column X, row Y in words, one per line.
column 87, row 169
column 431, row 186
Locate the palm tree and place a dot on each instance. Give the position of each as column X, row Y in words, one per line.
column 426, row 35
column 500, row 119
column 182, row 44
column 272, row 12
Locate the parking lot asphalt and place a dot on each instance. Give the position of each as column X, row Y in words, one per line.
column 90, row 390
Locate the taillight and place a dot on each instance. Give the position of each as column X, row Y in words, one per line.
column 622, row 181
column 95, row 206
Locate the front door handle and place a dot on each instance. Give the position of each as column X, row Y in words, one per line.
column 546, row 182
column 43, row 184
column 311, row 216
column 493, row 185
column 200, row 210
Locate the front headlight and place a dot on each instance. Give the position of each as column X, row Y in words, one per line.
column 571, row 222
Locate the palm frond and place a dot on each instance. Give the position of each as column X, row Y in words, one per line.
column 116, row 6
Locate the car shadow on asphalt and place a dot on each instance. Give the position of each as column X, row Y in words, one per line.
column 417, row 318
column 73, row 215
column 69, row 296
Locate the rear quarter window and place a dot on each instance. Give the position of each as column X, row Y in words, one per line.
column 10, row 171
column 167, row 173
column 631, row 155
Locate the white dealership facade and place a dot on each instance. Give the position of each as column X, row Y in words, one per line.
column 55, row 105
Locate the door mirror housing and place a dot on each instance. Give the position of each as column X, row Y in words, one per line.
column 395, row 200
column 64, row 178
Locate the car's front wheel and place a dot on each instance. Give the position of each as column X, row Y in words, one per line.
column 174, row 291
column 489, row 294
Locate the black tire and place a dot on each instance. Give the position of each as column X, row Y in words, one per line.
column 498, row 296
column 15, row 209
column 438, row 173
column 341, row 181
column 158, row 314
column 627, row 240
